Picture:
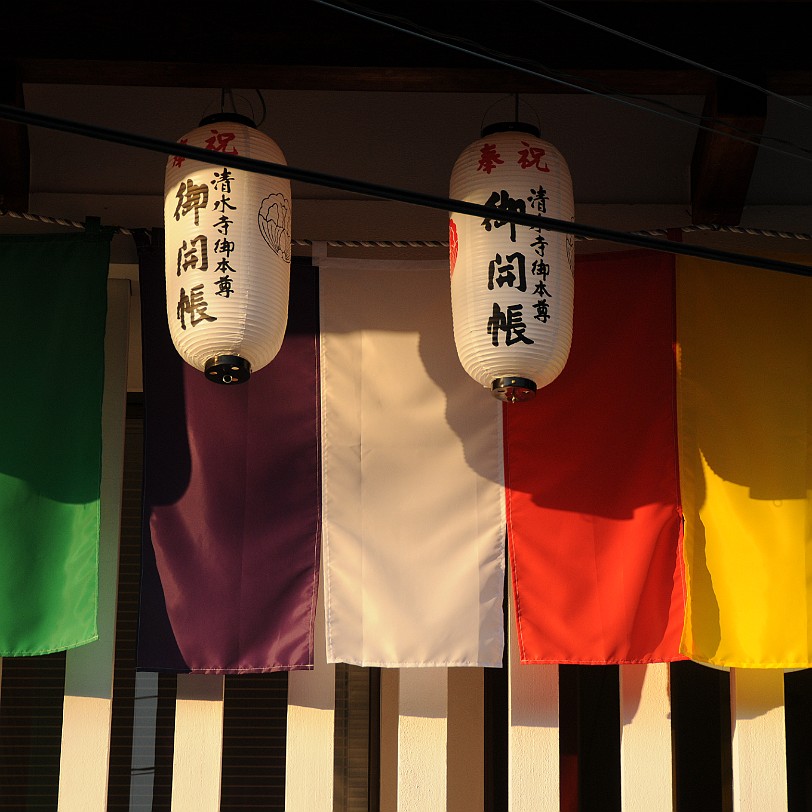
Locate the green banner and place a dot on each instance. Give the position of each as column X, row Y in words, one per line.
column 52, row 317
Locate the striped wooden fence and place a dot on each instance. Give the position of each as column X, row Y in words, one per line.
column 435, row 739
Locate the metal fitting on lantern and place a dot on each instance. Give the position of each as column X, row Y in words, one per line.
column 514, row 390
column 228, row 369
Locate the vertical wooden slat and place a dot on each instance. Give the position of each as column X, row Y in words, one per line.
column 87, row 708
column 700, row 726
column 121, row 726
column 197, row 764
column 31, row 731
column 533, row 733
column 390, row 688
column 422, row 739
column 311, row 729
column 466, row 746
column 645, row 731
column 759, row 744
column 142, row 782
column 356, row 774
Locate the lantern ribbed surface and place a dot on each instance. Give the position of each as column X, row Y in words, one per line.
column 512, row 286
column 227, row 249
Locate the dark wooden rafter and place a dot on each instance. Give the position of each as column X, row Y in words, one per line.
column 123, row 73
column 307, row 46
column 722, row 166
column 14, row 152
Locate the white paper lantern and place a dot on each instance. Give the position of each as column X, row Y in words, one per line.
column 227, row 252
column 512, row 286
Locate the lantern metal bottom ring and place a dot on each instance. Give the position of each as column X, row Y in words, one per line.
column 227, row 369
column 514, row 390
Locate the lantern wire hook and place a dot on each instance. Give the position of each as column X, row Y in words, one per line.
column 228, row 99
column 264, row 107
column 516, row 102
column 227, row 92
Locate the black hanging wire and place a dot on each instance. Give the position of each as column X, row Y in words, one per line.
column 526, row 66
column 263, row 107
column 629, row 38
column 391, row 193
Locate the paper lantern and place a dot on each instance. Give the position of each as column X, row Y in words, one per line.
column 227, row 252
column 512, row 286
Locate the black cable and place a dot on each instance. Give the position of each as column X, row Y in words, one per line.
column 391, row 193
column 607, row 30
column 557, row 77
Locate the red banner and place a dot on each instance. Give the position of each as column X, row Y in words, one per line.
column 594, row 520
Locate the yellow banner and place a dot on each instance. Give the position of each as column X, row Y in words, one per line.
column 745, row 412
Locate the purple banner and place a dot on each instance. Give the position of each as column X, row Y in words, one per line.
column 231, row 497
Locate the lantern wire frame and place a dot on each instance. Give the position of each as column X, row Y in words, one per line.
column 227, row 94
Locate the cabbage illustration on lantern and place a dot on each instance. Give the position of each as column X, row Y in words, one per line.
column 512, row 286
column 228, row 251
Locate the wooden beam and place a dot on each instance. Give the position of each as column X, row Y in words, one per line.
column 131, row 73
column 14, row 152
column 722, row 166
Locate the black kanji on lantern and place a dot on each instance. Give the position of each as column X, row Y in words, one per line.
column 540, row 268
column 225, row 285
column 538, row 199
column 539, row 244
column 222, row 180
column 224, row 247
column 222, row 225
column 191, row 198
column 224, row 266
column 224, row 203
column 194, row 305
column 510, row 323
column 507, row 272
column 541, row 288
column 189, row 254
column 504, row 202
column 542, row 311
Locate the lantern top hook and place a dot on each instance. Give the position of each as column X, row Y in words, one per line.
column 510, row 126
column 516, row 125
column 233, row 118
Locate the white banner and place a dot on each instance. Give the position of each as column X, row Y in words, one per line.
column 412, row 475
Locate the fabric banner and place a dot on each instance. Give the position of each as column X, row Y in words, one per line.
column 594, row 522
column 413, row 505
column 745, row 412
column 231, row 498
column 50, row 455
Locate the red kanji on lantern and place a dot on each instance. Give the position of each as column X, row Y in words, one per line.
column 488, row 158
column 531, row 156
column 453, row 244
column 177, row 160
column 219, row 141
